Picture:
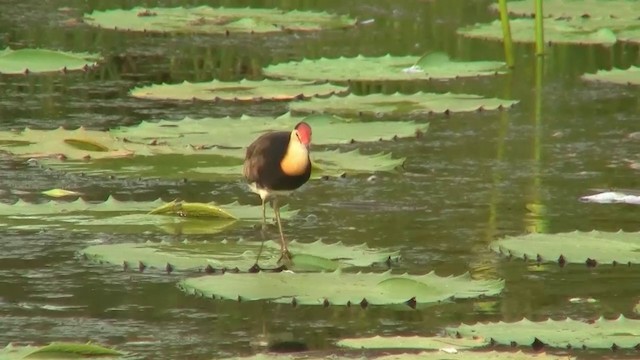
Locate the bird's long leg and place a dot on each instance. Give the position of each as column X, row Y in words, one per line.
column 255, row 266
column 283, row 243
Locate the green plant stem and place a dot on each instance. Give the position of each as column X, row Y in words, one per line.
column 506, row 32
column 539, row 28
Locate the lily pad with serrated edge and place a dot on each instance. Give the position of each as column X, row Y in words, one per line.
column 424, row 355
column 399, row 104
column 43, row 61
column 339, row 288
column 584, row 9
column 594, row 247
column 239, row 132
column 241, row 255
column 384, row 68
column 630, row 76
column 577, row 31
column 59, row 350
column 208, row 20
column 243, row 90
column 130, row 216
column 411, row 342
column 599, row 334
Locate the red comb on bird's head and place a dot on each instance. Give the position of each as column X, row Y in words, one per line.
column 303, row 131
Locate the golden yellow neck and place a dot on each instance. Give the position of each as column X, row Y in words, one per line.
column 296, row 159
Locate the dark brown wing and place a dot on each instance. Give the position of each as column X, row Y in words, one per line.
column 262, row 160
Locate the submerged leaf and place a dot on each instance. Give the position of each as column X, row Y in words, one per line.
column 399, row 104
column 360, row 68
column 130, row 216
column 59, row 350
column 204, row 19
column 595, row 247
column 599, row 334
column 42, row 61
column 315, row 256
column 341, row 289
column 244, row 90
column 630, row 76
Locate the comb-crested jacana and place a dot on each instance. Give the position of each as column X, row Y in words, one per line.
column 276, row 164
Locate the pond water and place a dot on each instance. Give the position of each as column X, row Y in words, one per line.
column 473, row 178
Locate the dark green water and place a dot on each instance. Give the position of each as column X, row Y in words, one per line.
column 471, row 179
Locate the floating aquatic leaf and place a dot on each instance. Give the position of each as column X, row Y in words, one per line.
column 244, row 90
column 360, row 68
column 42, row 61
column 58, row 193
column 239, row 132
column 576, row 31
column 204, row 19
column 584, row 9
column 399, row 104
column 411, row 342
column 338, row 288
column 209, row 164
column 130, row 216
column 630, row 76
column 599, row 334
column 425, row 355
column 610, row 197
column 58, row 350
column 315, row 256
column 595, row 247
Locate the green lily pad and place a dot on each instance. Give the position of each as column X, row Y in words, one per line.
column 575, row 31
column 243, row 90
column 43, row 61
column 131, row 216
column 399, row 104
column 239, row 132
column 425, row 355
column 58, row 350
column 204, row 19
column 630, row 76
column 59, row 193
column 241, row 255
column 411, row 342
column 592, row 248
column 614, row 9
column 360, row 68
column 338, row 288
column 599, row 334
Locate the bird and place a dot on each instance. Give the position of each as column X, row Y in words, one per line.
column 276, row 164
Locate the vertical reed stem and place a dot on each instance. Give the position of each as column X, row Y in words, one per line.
column 539, row 28
column 506, row 33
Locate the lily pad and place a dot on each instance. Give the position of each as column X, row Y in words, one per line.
column 425, row 355
column 630, row 76
column 204, row 19
column 239, row 132
column 576, row 31
column 599, row 334
column 58, row 350
column 243, row 90
column 241, row 255
column 43, row 61
column 592, row 248
column 399, row 104
column 130, row 216
column 339, row 288
column 412, row 342
column 614, row 9
column 360, row 68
